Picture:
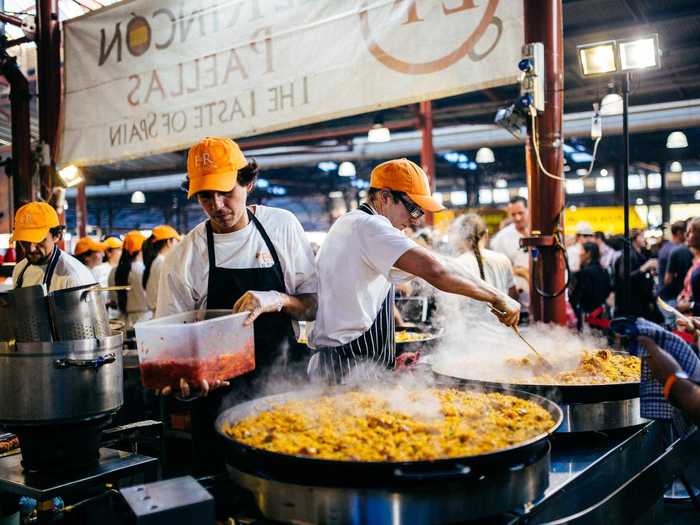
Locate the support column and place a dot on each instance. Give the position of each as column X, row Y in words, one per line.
column 543, row 23
column 663, row 197
column 49, row 84
column 427, row 152
column 81, row 215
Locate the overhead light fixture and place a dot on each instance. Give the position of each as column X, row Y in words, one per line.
column 640, row 53
column 603, row 172
column 501, row 183
column 611, row 104
column 676, row 140
column 70, row 176
column 597, row 58
column 604, row 184
column 640, row 201
column 574, row 186
column 697, row 195
column 619, row 56
column 485, row 156
column 327, row 165
column 138, row 197
column 458, row 198
column 347, row 169
column 378, row 132
column 654, row 181
column 336, row 194
column 676, row 167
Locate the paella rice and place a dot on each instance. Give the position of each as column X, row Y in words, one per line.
column 373, row 426
column 595, row 367
column 404, row 336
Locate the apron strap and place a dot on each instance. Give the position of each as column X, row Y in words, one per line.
column 366, row 208
column 210, row 247
column 270, row 246
column 48, row 274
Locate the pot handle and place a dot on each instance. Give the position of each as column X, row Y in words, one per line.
column 98, row 288
column 457, row 471
column 95, row 364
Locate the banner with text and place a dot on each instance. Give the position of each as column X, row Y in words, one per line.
column 151, row 76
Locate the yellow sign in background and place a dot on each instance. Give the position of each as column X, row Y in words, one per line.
column 607, row 219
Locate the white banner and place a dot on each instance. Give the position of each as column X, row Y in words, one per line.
column 151, row 76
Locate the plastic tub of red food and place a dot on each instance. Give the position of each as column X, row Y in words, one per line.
column 198, row 345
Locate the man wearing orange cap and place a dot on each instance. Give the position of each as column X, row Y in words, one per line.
column 129, row 272
column 357, row 268
column 163, row 239
column 38, row 231
column 254, row 259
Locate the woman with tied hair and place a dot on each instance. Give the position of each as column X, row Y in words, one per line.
column 467, row 235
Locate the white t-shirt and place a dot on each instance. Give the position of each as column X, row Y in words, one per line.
column 184, row 277
column 498, row 271
column 573, row 253
column 153, row 280
column 354, row 276
column 69, row 272
column 101, row 273
column 507, row 242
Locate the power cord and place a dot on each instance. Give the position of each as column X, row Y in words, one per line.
column 536, row 142
column 560, row 246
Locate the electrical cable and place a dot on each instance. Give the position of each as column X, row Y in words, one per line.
column 560, row 246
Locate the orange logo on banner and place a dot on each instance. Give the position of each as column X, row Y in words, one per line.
column 431, row 66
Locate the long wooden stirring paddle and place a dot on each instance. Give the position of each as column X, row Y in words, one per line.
column 515, row 328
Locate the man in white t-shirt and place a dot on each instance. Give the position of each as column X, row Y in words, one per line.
column 364, row 253
column 254, row 259
column 38, row 231
column 507, row 242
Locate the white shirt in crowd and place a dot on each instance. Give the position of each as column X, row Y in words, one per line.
column 573, row 254
column 69, row 272
column 153, row 281
column 507, row 242
column 184, row 277
column 498, row 271
column 354, row 276
column 101, row 273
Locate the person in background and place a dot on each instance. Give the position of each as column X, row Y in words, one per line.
column 38, row 232
column 689, row 298
column 680, row 259
column 584, row 233
column 129, row 272
column 90, row 253
column 591, row 286
column 106, row 273
column 664, row 255
column 607, row 254
column 468, row 235
column 163, row 238
column 642, row 299
column 507, row 242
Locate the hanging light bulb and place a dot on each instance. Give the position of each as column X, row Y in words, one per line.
column 485, row 156
column 378, row 132
column 676, row 140
column 347, row 169
column 70, row 176
column 611, row 104
column 138, row 197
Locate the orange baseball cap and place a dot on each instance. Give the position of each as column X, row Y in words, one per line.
column 113, row 243
column 407, row 177
column 33, row 222
column 213, row 164
column 133, row 241
column 163, row 232
column 86, row 244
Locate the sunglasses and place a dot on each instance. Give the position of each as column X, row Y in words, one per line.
column 413, row 210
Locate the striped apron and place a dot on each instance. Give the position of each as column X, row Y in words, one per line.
column 375, row 346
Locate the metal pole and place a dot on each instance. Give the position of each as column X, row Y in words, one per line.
column 427, row 152
column 663, row 197
column 81, row 210
column 625, row 191
column 543, row 23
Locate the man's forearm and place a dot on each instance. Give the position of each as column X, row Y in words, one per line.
column 686, row 395
column 301, row 307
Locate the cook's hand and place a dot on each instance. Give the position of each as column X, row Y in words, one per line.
column 661, row 363
column 407, row 360
column 507, row 310
column 685, row 326
column 186, row 389
column 257, row 303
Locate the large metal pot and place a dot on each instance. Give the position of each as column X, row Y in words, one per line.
column 61, row 381
column 7, row 315
column 79, row 313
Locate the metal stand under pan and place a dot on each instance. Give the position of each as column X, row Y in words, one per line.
column 430, row 501
column 605, row 415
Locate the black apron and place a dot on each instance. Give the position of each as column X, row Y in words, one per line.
column 276, row 349
column 48, row 274
column 376, row 345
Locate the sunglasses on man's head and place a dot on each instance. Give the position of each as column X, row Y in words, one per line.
column 413, row 210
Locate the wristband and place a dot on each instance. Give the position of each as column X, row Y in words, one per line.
column 671, row 380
